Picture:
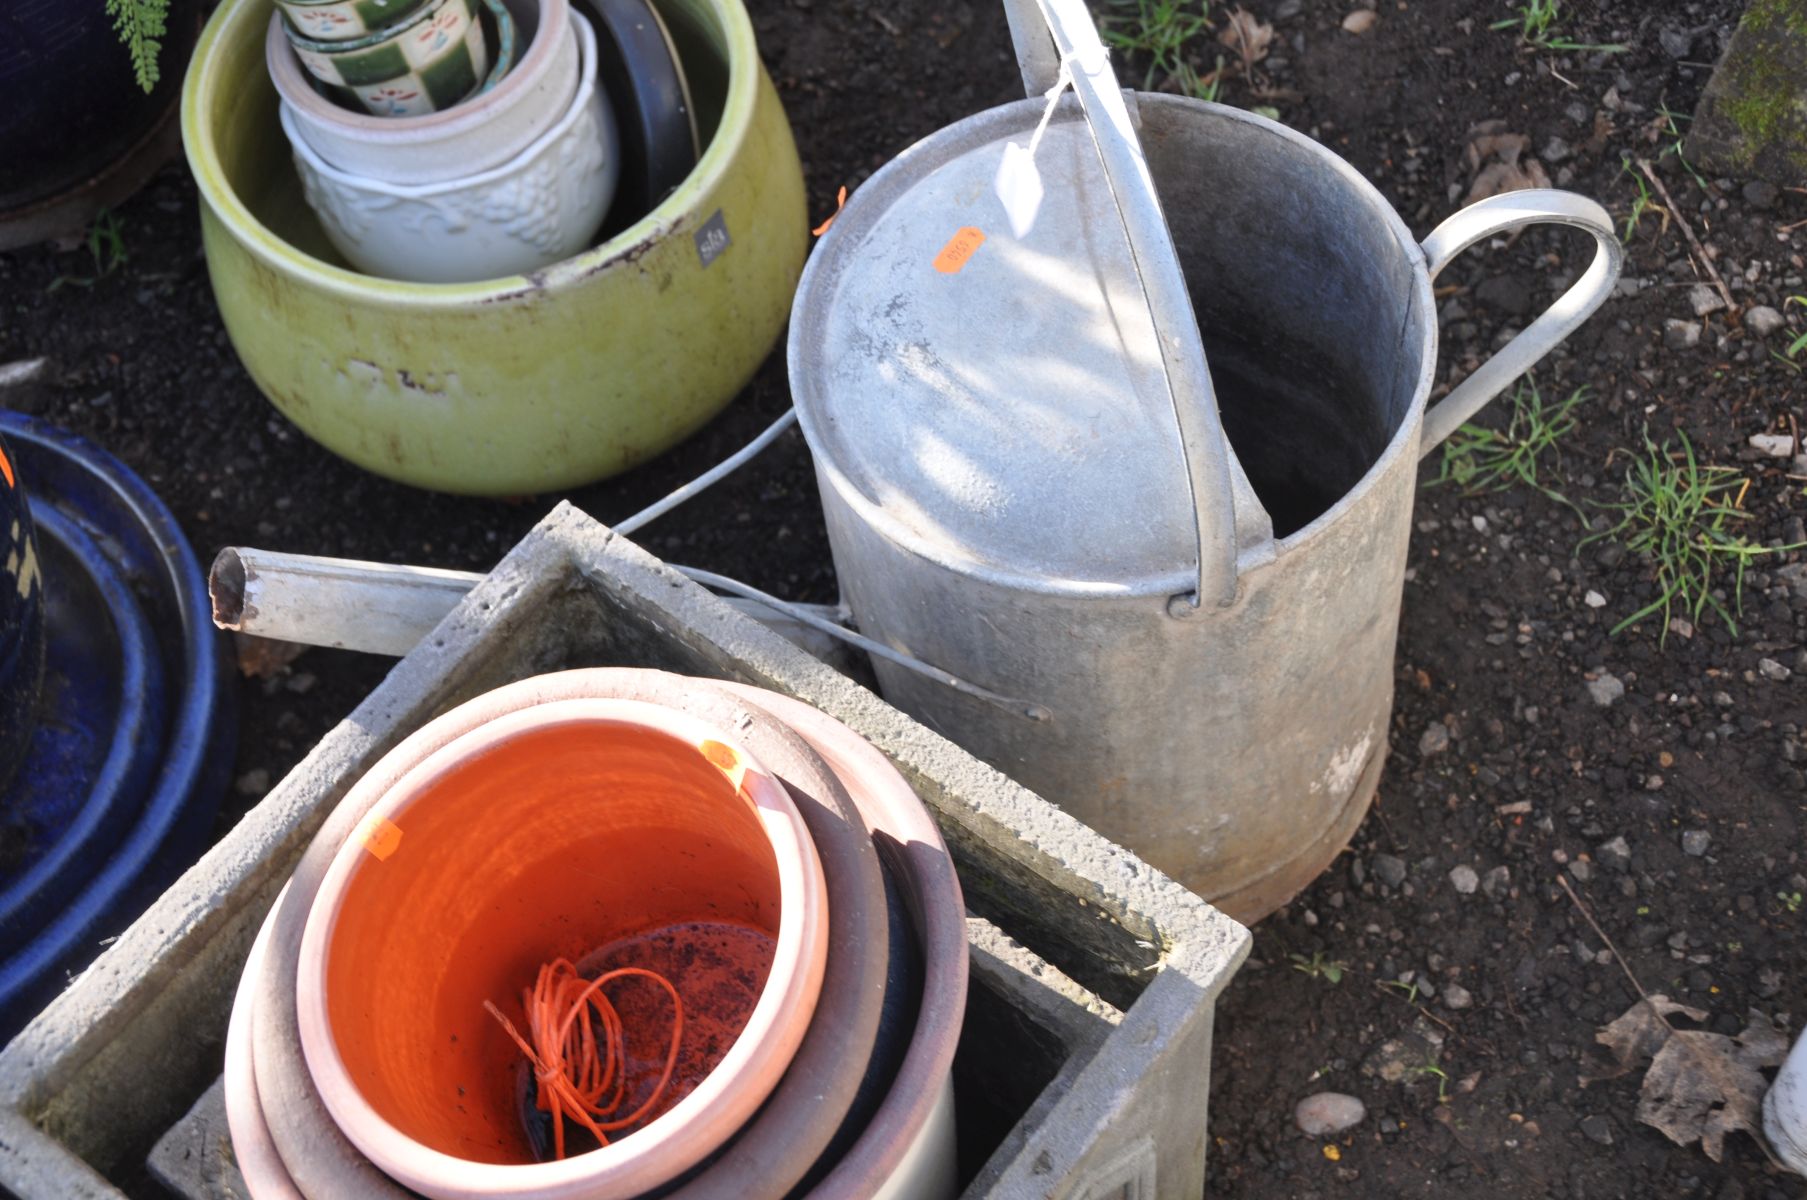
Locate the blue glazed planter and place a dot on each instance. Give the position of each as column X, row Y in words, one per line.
column 21, row 620
column 135, row 729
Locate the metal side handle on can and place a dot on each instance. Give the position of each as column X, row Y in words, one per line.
column 1501, row 214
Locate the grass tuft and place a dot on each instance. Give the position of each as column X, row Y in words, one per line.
column 1680, row 516
column 1477, row 459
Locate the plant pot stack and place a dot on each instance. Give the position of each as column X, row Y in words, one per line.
column 755, row 897
column 445, row 141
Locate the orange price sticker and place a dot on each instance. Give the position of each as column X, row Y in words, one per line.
column 6, row 468
column 381, row 837
column 961, row 247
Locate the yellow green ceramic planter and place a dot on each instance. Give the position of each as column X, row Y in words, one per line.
column 514, row 385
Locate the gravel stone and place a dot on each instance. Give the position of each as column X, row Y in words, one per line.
column 1763, row 320
column 1605, row 690
column 1681, row 335
column 1328, row 1113
column 1435, row 739
column 1695, row 841
column 254, row 782
column 1594, row 599
column 1704, row 298
column 1615, row 853
column 1794, row 578
column 1769, row 668
column 1464, row 879
column 1497, row 883
column 1598, row 1129
column 1389, row 870
column 1457, row 997
column 1760, row 194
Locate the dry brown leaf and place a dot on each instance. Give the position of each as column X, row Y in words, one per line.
column 1508, row 177
column 1248, row 35
column 1361, row 20
column 1638, row 1034
column 1497, row 159
column 264, row 658
column 1700, row 1085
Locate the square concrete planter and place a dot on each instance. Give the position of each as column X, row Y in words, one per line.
column 1084, row 1068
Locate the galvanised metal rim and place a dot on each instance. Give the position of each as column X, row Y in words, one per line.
column 1017, row 117
column 273, row 252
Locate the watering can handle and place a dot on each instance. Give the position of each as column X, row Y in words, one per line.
column 1500, row 214
column 1209, row 472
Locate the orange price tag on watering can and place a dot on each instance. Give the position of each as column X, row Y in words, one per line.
column 381, row 836
column 962, row 246
column 725, row 759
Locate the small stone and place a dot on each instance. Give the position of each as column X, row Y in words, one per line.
column 1615, row 853
column 1578, row 113
column 1457, row 997
column 1479, row 522
column 1328, row 1113
column 1775, row 445
column 1496, row 883
column 1598, row 1129
column 1763, row 320
column 1581, row 870
column 1769, row 668
column 1555, row 150
column 1704, row 298
column 1761, row 194
column 1435, row 739
column 1360, row 21
column 1389, row 870
column 1594, row 599
column 1695, row 841
column 1681, row 335
column 1681, row 627
column 1286, row 10
column 254, row 782
column 1676, row 43
column 1606, row 690
column 1794, row 577
column 1464, row 879
column 1769, row 982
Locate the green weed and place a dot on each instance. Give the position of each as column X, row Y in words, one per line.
column 1671, row 135
column 1477, row 459
column 1641, row 204
column 1408, row 990
column 1679, row 515
column 1790, row 900
column 1442, row 1077
column 1537, row 22
column 1163, row 30
column 1319, row 967
column 105, row 244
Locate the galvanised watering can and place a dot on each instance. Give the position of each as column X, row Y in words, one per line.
column 1189, row 575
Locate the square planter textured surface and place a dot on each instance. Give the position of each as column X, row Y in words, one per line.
column 1084, row 1066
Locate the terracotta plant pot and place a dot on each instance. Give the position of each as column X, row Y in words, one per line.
column 548, row 833
column 903, row 1136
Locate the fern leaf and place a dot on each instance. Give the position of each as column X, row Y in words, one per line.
column 140, row 24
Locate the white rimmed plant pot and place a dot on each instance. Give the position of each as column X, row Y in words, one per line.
column 541, row 207
column 483, row 132
column 1785, row 1110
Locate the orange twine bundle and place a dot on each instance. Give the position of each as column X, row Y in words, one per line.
column 573, row 1068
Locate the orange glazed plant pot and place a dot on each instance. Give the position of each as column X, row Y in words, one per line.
column 546, row 833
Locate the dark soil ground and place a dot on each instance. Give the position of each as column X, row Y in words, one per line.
column 1677, row 810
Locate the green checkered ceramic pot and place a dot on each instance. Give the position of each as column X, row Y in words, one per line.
column 429, row 62
column 343, row 20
